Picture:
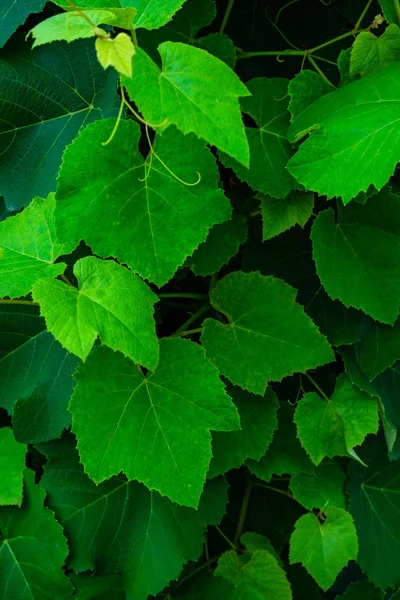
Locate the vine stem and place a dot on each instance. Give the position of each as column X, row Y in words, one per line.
column 228, row 541
column 134, row 36
column 277, row 490
column 364, row 12
column 227, row 15
column 198, row 570
column 191, row 320
column 317, row 387
column 319, row 71
column 243, row 510
column 184, row 295
column 23, row 302
column 188, row 332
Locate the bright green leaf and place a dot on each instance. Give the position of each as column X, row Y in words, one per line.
column 269, row 148
column 116, row 52
column 183, row 93
column 389, row 10
column 323, row 489
column 70, row 26
column 14, row 13
column 278, row 215
column 333, row 427
column 304, row 89
column 12, row 464
column 111, row 302
column 371, row 54
column 324, row 548
column 158, row 425
column 258, row 423
column 268, row 335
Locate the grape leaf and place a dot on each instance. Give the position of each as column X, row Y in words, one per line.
column 362, row 589
column 349, row 129
column 13, row 14
column 158, row 425
column 33, row 549
column 304, row 89
column 269, row 148
column 371, row 54
column 378, row 348
column 344, row 68
column 111, row 302
column 116, row 52
column 29, row 247
column 324, row 548
column 71, row 26
column 389, row 10
column 219, row 45
column 324, row 488
column 122, row 526
column 258, row 424
column 333, row 427
column 71, row 90
column 98, row 587
column 350, row 268
column 183, row 93
column 278, row 215
column 167, row 218
column 223, row 242
column 12, row 464
column 285, row 456
column 268, row 335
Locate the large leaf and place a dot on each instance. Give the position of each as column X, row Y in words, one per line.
column 14, row 13
column 324, row 488
column 183, row 93
column 29, row 247
column 33, row 549
column 269, row 149
column 71, row 90
column 154, row 428
column 334, row 426
column 354, row 134
column 268, row 335
column 167, row 218
column 12, row 464
column 371, row 54
column 111, row 302
column 324, row 548
column 122, row 526
column 359, row 273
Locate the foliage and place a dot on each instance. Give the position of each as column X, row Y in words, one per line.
column 199, row 300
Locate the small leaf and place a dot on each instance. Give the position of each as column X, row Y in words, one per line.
column 324, row 548
column 304, row 89
column 71, row 26
column 378, row 348
column 282, row 214
column 116, row 52
column 12, row 465
column 371, row 54
column 323, row 489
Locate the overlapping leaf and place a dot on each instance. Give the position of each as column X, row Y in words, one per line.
column 323, row 489
column 371, row 54
column 12, row 464
column 71, row 26
column 281, row 214
column 13, row 14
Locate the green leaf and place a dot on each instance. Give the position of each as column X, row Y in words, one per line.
column 379, row 347
column 278, row 215
column 334, row 426
column 390, row 11
column 350, row 268
column 323, row 489
column 375, row 503
column 269, row 148
column 304, row 89
column 364, row 590
column 371, row 54
column 167, row 218
column 98, row 587
column 285, row 456
column 158, row 425
column 71, row 90
column 29, row 247
column 33, row 549
column 71, row 26
column 13, row 14
column 116, row 52
column 12, row 464
column 344, row 68
column 210, row 587
column 387, row 387
column 348, row 130
column 111, row 302
column 183, row 93
column 122, row 526
column 220, row 46
column 324, row 548
column 222, row 243
column 258, row 424
column 268, row 335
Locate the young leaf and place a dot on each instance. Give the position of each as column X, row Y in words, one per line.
column 29, row 247
column 167, row 218
column 258, row 423
column 285, row 456
column 158, row 425
column 71, row 90
column 33, row 549
column 304, row 89
column 223, row 242
column 371, row 54
column 352, row 270
column 324, row 488
column 111, row 302
column 71, row 26
column 349, row 129
column 13, row 14
column 333, row 427
column 12, row 464
column 324, row 548
column 269, row 148
column 268, row 335
column 122, row 526
column 183, row 93
column 282, row 214
column 116, row 52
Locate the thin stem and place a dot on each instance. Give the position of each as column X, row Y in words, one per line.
column 364, row 12
column 184, row 295
column 24, row 302
column 83, row 15
column 191, row 319
column 272, row 53
column 198, row 570
column 277, row 490
column 333, row 41
column 65, row 279
column 243, row 510
column 228, row 541
column 213, row 281
column 134, row 36
column 189, row 332
column 319, row 71
column 227, row 15
column 117, row 122
column 397, row 10
column 315, row 384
